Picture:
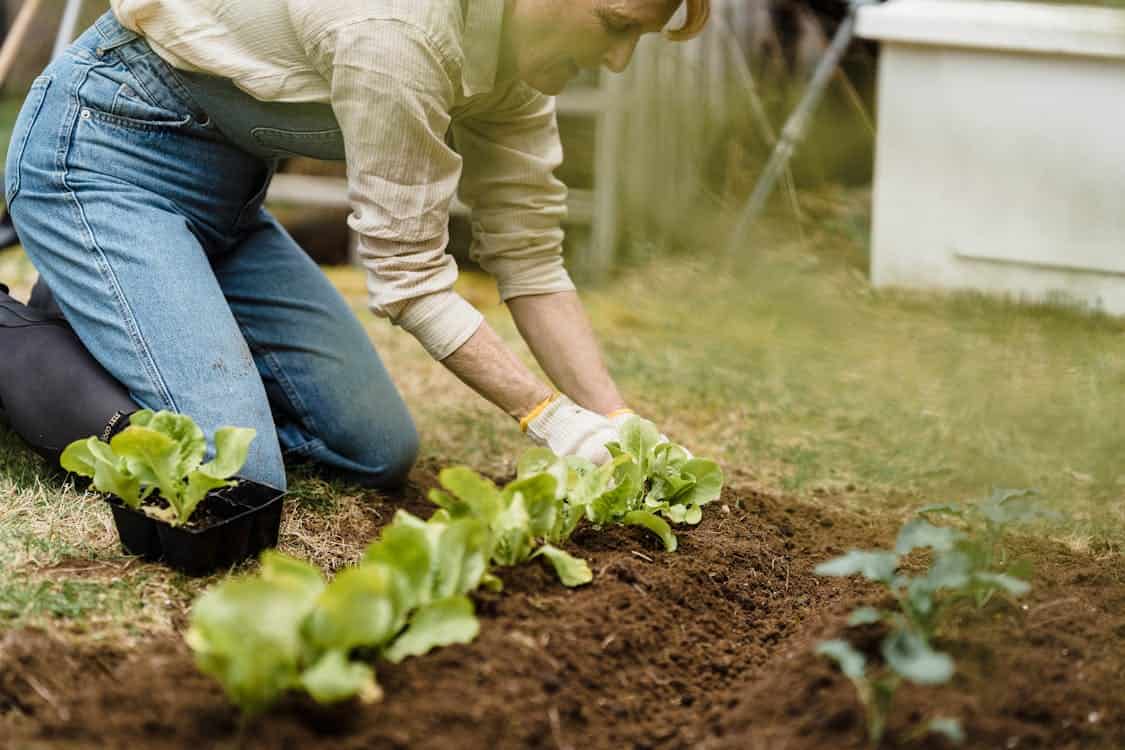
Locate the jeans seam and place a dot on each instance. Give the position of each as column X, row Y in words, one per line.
column 306, row 449
column 258, row 198
column 62, row 158
column 132, row 123
column 17, row 163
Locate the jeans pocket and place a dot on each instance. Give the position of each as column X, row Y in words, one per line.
column 128, row 103
column 316, row 144
column 28, row 116
column 112, row 95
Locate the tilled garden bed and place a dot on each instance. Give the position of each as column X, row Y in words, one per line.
column 707, row 647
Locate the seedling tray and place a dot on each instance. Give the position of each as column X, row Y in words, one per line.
column 242, row 521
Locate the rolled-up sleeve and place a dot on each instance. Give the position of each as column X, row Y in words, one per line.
column 392, row 94
column 518, row 205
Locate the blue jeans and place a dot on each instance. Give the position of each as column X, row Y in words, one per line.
column 147, row 224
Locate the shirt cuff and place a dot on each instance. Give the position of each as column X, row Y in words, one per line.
column 542, row 280
column 442, row 322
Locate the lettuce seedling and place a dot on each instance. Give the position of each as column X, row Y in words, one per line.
column 672, row 482
column 288, row 629
column 613, row 494
column 647, row 481
column 526, row 518
column 160, row 452
column 438, row 563
column 246, row 632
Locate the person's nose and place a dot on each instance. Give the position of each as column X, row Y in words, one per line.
column 619, row 55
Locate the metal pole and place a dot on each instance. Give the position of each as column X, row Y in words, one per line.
column 795, row 127
column 68, row 28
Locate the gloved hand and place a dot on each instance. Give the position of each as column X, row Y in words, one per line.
column 569, row 430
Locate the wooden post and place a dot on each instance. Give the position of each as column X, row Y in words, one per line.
column 16, row 36
column 607, row 168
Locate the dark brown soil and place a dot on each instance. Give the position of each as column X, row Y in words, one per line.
column 709, row 647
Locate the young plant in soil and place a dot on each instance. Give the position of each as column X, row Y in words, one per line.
column 527, row 518
column 647, row 478
column 647, row 481
column 961, row 566
column 987, row 523
column 286, row 629
column 907, row 657
column 160, row 452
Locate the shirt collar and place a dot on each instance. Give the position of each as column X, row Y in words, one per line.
column 484, row 23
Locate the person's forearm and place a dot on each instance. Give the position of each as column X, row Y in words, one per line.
column 488, row 366
column 559, row 333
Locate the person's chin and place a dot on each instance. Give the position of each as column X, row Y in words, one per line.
column 554, row 79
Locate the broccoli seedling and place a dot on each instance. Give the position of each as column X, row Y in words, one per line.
column 963, row 564
column 987, row 523
column 908, row 658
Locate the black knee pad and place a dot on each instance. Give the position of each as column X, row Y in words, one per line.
column 52, row 391
column 41, row 299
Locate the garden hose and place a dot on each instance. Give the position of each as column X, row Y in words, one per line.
column 52, row 391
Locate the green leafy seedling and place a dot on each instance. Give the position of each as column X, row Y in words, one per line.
column 908, row 658
column 953, row 574
column 649, row 482
column 961, row 565
column 525, row 519
column 160, row 451
column 287, row 629
column 987, row 524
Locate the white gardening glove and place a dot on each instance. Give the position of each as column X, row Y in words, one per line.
column 569, row 430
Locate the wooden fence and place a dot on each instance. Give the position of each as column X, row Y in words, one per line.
column 665, row 129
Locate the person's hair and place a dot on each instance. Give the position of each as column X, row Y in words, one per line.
column 698, row 11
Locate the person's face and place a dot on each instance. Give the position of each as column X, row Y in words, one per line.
column 547, row 42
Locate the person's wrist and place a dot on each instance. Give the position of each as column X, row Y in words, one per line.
column 620, row 416
column 542, row 400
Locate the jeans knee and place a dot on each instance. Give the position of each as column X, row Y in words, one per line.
column 396, row 457
column 373, row 462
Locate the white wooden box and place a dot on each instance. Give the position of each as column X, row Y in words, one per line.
column 1000, row 162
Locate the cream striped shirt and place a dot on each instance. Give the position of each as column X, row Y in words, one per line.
column 400, row 75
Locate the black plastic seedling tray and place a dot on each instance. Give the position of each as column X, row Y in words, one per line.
column 249, row 520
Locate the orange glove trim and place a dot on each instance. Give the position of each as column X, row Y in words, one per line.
column 531, row 415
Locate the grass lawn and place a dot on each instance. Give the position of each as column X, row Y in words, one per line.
column 784, row 365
